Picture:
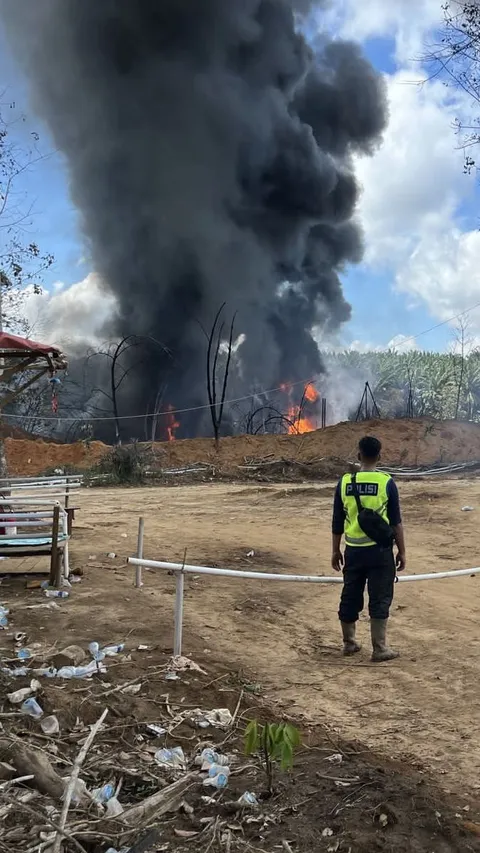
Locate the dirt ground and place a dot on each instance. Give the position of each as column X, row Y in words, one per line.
column 422, row 708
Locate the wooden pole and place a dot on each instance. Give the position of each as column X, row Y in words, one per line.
column 138, row 569
column 55, row 567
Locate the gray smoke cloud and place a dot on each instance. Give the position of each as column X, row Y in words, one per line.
column 209, row 151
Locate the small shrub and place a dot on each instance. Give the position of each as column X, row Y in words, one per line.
column 276, row 742
column 124, row 465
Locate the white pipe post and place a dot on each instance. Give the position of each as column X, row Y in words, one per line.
column 138, row 569
column 178, row 624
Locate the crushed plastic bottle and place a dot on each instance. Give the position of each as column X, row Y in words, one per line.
column 24, row 654
column 56, row 593
column 217, row 776
column 174, row 758
column 18, row 672
column 32, row 709
column 4, row 611
column 80, row 671
column 211, row 757
column 104, row 794
column 19, row 696
column 50, row 725
column 111, row 651
column 114, row 808
column 248, row 800
column 95, row 652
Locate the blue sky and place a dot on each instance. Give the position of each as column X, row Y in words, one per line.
column 418, row 209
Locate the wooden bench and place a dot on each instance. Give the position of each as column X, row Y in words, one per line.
column 31, row 527
column 59, row 487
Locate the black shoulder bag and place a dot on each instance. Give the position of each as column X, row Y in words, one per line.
column 371, row 522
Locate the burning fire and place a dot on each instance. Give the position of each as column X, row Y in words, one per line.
column 171, row 424
column 299, row 420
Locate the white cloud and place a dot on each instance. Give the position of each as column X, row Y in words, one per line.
column 70, row 316
column 444, row 271
column 407, row 22
column 415, row 182
column 414, row 206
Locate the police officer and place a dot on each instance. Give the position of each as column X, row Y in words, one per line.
column 365, row 562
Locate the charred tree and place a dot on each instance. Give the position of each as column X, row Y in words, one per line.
column 217, row 404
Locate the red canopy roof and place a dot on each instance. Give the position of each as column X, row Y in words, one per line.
column 13, row 342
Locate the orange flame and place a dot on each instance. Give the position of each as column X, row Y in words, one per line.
column 300, row 422
column 172, row 424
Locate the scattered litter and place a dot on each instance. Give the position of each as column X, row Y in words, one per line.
column 327, row 832
column 219, row 718
column 24, row 654
column 144, row 648
column 467, row 508
column 111, row 556
column 180, row 664
column 114, row 808
column 131, row 689
column 69, row 656
column 111, row 651
column 217, row 776
column 56, row 593
column 20, row 637
column 52, row 605
column 19, row 696
column 174, row 758
column 81, row 671
column 156, row 730
column 18, row 672
column 383, row 820
column 210, row 757
column 248, row 800
column 104, row 794
column 50, row 725
column 4, row 611
column 75, row 579
column 172, row 676
column 336, row 758
column 32, row 709
column 251, row 554
column 124, row 535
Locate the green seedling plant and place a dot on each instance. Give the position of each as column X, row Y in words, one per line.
column 276, row 742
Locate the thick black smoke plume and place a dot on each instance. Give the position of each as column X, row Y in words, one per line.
column 209, row 152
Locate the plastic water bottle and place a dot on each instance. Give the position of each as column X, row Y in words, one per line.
column 210, row 757
column 24, row 654
column 95, row 652
column 4, row 611
column 219, row 779
column 104, row 794
column 111, row 651
column 32, row 708
column 56, row 593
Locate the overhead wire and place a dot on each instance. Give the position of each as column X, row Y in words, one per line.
column 256, row 395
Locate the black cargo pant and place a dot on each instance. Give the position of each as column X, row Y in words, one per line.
column 372, row 566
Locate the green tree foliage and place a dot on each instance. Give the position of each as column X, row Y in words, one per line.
column 439, row 385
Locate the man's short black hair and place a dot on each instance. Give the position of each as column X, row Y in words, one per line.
column 370, row 447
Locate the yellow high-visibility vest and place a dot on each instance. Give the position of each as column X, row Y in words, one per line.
column 372, row 487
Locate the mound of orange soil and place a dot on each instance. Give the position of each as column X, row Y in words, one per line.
column 405, row 442
column 35, row 456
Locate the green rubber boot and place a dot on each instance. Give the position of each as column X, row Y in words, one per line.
column 350, row 646
column 381, row 652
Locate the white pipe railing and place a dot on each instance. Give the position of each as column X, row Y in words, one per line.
column 181, row 569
